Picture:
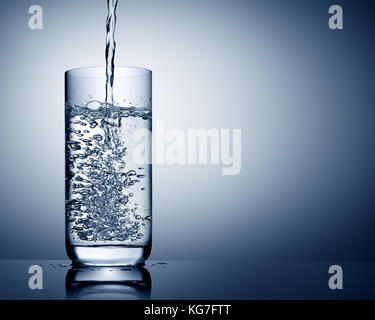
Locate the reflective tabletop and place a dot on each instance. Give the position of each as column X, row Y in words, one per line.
column 160, row 280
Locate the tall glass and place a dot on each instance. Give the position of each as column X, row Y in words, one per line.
column 108, row 167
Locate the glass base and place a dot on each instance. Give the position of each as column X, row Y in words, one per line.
column 108, row 255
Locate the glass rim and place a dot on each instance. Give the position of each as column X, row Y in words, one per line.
column 121, row 72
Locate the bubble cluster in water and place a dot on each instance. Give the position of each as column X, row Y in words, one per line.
column 102, row 192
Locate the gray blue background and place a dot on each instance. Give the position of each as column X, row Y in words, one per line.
column 301, row 93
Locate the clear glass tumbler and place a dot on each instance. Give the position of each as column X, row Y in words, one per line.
column 108, row 167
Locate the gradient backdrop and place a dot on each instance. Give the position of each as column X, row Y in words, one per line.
column 301, row 93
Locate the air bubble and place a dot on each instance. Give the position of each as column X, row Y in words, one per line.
column 93, row 105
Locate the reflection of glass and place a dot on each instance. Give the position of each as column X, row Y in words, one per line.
column 114, row 283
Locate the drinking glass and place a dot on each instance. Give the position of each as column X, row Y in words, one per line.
column 108, row 167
